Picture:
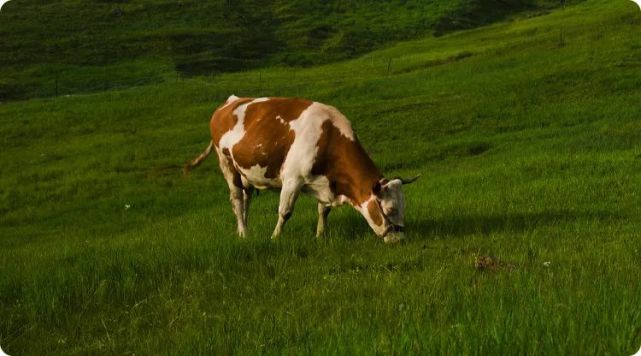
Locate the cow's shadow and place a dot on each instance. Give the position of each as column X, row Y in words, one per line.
column 463, row 225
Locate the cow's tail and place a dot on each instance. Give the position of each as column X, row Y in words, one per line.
column 198, row 160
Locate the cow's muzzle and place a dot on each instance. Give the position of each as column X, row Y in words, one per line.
column 393, row 228
column 394, row 234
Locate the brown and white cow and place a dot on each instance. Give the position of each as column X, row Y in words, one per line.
column 299, row 145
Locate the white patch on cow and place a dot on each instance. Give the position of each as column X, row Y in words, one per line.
column 231, row 137
column 232, row 98
column 363, row 209
column 280, row 118
column 256, row 176
column 340, row 122
column 342, row 200
column 227, row 173
column 319, row 187
column 259, row 100
column 307, row 129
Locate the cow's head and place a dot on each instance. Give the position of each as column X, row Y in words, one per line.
column 385, row 209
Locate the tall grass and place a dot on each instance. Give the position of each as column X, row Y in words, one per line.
column 529, row 153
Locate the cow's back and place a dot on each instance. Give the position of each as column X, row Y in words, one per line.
column 258, row 135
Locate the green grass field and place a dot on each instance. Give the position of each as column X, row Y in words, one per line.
column 526, row 133
column 52, row 48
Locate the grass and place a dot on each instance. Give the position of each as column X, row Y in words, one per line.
column 69, row 47
column 528, row 146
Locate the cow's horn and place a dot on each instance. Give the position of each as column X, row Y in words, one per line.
column 410, row 180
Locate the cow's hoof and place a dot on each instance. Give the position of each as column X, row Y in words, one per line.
column 393, row 238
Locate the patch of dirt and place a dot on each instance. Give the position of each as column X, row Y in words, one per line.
column 491, row 263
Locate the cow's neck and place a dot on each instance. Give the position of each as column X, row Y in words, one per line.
column 356, row 181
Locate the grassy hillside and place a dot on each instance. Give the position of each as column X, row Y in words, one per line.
column 527, row 137
column 66, row 46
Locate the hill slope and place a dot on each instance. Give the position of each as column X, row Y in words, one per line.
column 67, row 47
column 527, row 136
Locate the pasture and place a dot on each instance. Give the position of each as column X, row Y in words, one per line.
column 523, row 233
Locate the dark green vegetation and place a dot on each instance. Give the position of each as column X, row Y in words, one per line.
column 527, row 136
column 66, row 47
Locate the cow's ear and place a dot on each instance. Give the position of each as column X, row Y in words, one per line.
column 377, row 189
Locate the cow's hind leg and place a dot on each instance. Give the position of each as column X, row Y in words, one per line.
column 236, row 198
column 247, row 198
column 288, row 195
column 323, row 211
column 236, row 195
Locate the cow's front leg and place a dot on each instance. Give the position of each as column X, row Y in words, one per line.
column 323, row 211
column 288, row 195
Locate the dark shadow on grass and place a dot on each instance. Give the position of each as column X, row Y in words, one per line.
column 463, row 225
column 490, row 223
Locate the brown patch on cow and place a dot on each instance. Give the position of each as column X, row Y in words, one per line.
column 375, row 212
column 345, row 164
column 224, row 119
column 288, row 109
column 267, row 139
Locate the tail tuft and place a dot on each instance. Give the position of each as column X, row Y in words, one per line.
column 186, row 169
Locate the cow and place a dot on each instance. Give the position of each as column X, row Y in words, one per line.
column 295, row 145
